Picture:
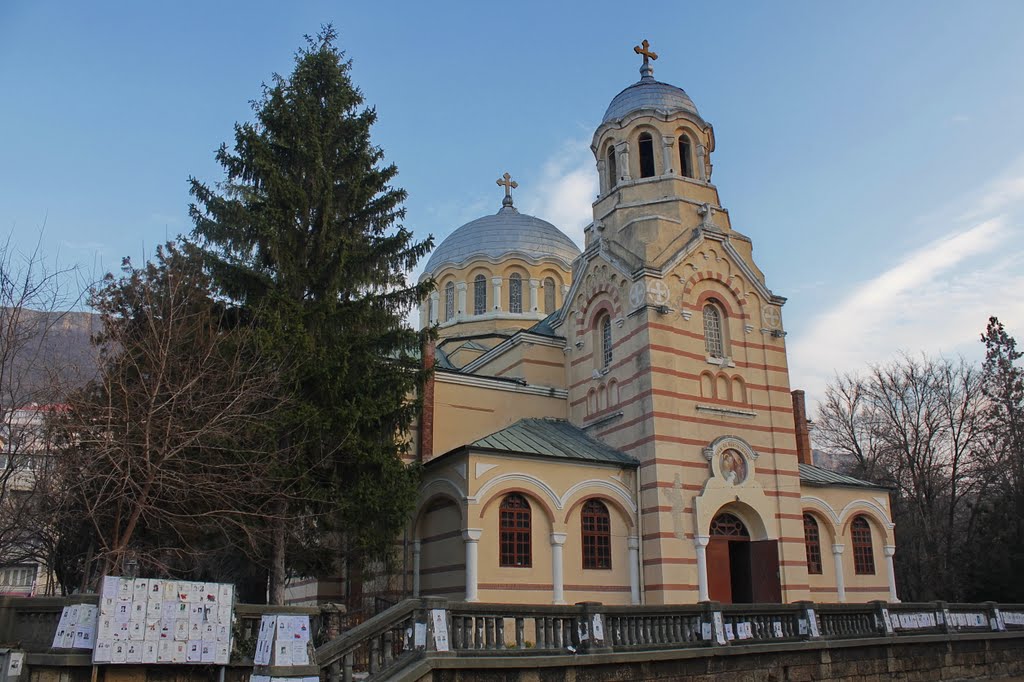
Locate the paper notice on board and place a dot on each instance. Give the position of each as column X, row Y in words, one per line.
column 440, row 622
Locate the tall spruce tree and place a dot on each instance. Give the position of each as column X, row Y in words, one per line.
column 997, row 558
column 306, row 228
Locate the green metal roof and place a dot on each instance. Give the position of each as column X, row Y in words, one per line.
column 552, row 438
column 812, row 475
column 544, row 326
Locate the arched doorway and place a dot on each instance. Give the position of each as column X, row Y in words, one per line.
column 741, row 571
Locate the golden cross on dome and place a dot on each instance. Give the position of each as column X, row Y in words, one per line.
column 644, row 49
column 508, row 183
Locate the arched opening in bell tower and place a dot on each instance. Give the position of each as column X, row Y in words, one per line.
column 646, row 148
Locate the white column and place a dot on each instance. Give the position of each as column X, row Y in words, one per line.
column 667, row 142
column 534, row 295
column 602, row 175
column 557, row 573
column 460, row 287
column 435, row 298
column 702, row 172
column 701, row 543
column 416, row 548
column 633, row 543
column 471, row 536
column 496, row 284
column 889, row 551
column 837, row 557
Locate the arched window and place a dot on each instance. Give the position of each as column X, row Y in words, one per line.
column 479, row 295
column 515, row 293
column 685, row 157
column 812, row 542
column 613, row 173
column 549, row 296
column 646, row 145
column 863, row 554
column 514, row 531
column 713, row 331
column 597, row 535
column 604, row 326
column 449, row 301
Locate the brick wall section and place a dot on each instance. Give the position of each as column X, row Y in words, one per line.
column 803, row 431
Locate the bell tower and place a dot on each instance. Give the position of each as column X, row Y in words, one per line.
column 676, row 356
column 653, row 151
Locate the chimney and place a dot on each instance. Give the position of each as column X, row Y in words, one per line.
column 426, row 444
column 803, row 431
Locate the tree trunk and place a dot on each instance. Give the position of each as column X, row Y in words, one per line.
column 277, row 540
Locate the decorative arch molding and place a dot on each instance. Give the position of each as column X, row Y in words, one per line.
column 597, row 287
column 607, row 499
column 536, row 486
column 442, row 485
column 617, row 492
column 873, row 511
column 824, row 510
column 706, row 294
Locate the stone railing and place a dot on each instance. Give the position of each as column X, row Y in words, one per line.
column 384, row 643
column 476, row 629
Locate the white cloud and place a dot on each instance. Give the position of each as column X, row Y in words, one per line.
column 936, row 299
column 565, row 189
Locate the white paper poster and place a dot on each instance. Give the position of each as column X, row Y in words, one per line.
column 15, row 663
column 440, row 622
column 151, row 620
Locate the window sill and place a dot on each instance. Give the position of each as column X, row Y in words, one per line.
column 719, row 362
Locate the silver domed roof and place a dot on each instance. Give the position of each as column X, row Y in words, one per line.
column 506, row 233
column 648, row 93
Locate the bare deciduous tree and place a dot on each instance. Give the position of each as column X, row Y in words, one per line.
column 165, row 458
column 916, row 425
column 38, row 339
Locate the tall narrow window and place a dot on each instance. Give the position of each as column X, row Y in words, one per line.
column 549, row 296
column 597, row 535
column 863, row 554
column 515, row 293
column 605, row 327
column 713, row 331
column 613, row 173
column 685, row 157
column 812, row 541
column 646, row 145
column 514, row 531
column 479, row 295
column 449, row 301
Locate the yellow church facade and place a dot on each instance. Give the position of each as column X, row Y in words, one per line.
column 617, row 424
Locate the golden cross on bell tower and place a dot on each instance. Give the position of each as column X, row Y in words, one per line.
column 644, row 48
column 509, row 184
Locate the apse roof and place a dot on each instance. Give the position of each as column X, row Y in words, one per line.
column 552, row 438
column 812, row 475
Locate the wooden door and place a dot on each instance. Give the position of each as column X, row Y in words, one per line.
column 766, row 587
column 719, row 577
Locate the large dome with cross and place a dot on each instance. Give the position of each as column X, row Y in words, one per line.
column 507, row 233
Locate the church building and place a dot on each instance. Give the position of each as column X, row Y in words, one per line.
column 617, row 424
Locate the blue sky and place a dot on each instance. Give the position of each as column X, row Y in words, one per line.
column 873, row 150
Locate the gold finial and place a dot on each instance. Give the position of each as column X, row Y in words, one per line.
column 644, row 49
column 509, row 184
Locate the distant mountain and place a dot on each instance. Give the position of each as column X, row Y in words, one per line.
column 44, row 354
column 832, row 461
